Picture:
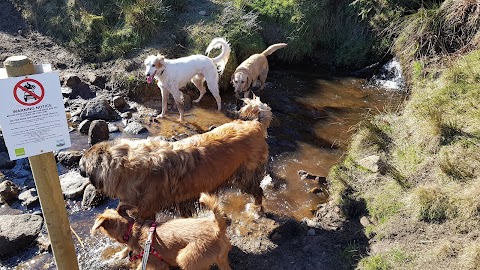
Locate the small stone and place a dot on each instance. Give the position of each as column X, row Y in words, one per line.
column 371, row 163
column 135, row 128
column 365, row 221
column 202, row 13
column 311, row 232
column 84, row 126
column 29, row 198
column 98, row 132
column 8, row 191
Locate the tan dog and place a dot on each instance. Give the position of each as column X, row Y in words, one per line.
column 155, row 175
column 253, row 69
column 188, row 243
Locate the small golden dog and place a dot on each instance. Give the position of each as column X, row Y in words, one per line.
column 188, row 243
column 252, row 69
column 156, row 175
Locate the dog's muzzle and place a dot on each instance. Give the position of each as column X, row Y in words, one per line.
column 150, row 77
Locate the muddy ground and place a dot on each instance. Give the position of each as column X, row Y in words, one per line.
column 271, row 242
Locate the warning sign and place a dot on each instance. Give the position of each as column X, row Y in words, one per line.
column 28, row 92
column 32, row 115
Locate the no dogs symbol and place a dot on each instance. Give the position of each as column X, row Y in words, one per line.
column 28, row 92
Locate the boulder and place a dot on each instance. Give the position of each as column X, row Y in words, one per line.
column 69, row 158
column 73, row 184
column 371, row 163
column 135, row 128
column 98, row 132
column 29, row 198
column 98, row 108
column 83, row 90
column 92, row 197
column 84, row 126
column 72, row 80
column 119, row 103
column 8, row 191
column 18, row 232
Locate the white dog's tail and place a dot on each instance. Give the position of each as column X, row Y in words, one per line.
column 212, row 203
column 222, row 59
column 254, row 109
column 273, row 48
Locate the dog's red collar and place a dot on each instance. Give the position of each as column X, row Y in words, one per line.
column 152, row 249
column 127, row 234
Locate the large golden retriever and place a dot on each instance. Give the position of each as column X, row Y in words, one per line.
column 187, row 243
column 154, row 175
column 252, row 69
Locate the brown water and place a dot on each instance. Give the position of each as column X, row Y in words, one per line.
column 314, row 118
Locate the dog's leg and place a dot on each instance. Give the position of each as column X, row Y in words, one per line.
column 178, row 97
column 198, row 80
column 165, row 94
column 122, row 254
column 212, row 82
column 263, row 78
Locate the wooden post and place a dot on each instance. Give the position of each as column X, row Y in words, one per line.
column 45, row 174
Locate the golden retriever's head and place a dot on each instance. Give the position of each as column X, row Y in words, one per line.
column 154, row 65
column 254, row 108
column 241, row 83
column 93, row 161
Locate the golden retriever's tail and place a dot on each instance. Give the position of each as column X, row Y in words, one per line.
column 273, row 48
column 212, row 202
column 222, row 59
column 254, row 109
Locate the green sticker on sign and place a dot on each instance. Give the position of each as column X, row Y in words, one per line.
column 20, row 152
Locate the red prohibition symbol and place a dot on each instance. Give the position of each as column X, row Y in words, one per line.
column 28, row 92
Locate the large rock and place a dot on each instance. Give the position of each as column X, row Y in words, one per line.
column 92, row 197
column 134, row 128
column 98, row 109
column 119, row 103
column 8, row 191
column 371, row 163
column 84, row 91
column 69, row 158
column 73, row 184
column 5, row 162
column 98, row 132
column 18, row 232
column 29, row 198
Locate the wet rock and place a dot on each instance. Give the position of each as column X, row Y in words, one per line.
column 66, row 92
column 69, row 158
column 306, row 175
column 112, row 128
column 84, row 126
column 92, row 197
column 135, row 128
column 119, row 103
column 72, row 80
column 18, row 232
column 8, row 191
column 44, row 244
column 311, row 232
column 202, row 13
column 73, row 184
column 98, row 108
column 371, row 163
column 83, row 90
column 98, row 132
column 126, row 115
column 5, row 162
column 29, row 198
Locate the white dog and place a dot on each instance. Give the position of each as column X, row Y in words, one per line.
column 172, row 74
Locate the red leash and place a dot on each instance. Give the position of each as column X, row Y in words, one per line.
column 148, row 246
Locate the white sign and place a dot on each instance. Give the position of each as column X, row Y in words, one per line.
column 32, row 115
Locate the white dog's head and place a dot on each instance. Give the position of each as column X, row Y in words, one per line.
column 241, row 83
column 154, row 65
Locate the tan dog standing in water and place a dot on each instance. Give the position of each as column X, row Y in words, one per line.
column 155, row 175
column 253, row 69
column 188, row 243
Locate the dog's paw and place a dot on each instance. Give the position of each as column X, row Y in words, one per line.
column 122, row 254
